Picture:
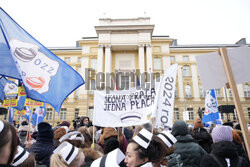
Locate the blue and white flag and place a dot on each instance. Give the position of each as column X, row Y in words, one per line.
column 46, row 77
column 11, row 114
column 7, row 86
column 211, row 107
column 38, row 115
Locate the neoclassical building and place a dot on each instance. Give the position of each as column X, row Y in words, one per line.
column 127, row 45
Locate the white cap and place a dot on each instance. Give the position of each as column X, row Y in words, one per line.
column 67, row 151
column 1, row 126
column 21, row 156
column 167, row 138
column 114, row 158
column 143, row 138
column 72, row 136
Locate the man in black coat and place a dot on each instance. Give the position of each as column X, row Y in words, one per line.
column 223, row 152
column 201, row 135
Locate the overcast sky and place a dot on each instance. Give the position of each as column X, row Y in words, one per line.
column 63, row 22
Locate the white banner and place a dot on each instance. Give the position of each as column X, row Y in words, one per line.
column 166, row 97
column 124, row 108
column 136, row 107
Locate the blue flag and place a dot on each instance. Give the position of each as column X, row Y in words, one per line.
column 211, row 107
column 38, row 116
column 8, row 86
column 11, row 114
column 46, row 77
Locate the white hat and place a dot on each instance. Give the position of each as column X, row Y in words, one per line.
column 167, row 138
column 67, row 151
column 1, row 126
column 72, row 136
column 21, row 156
column 113, row 159
column 143, row 138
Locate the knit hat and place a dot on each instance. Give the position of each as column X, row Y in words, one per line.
column 179, row 128
column 65, row 123
column 198, row 123
column 45, row 132
column 222, row 133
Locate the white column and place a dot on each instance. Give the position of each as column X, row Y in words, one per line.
column 149, row 58
column 107, row 58
column 141, row 58
column 100, row 59
column 108, row 65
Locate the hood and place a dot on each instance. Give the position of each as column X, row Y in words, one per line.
column 180, row 128
column 225, row 149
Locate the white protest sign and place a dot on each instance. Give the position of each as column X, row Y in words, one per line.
column 211, row 68
column 124, row 108
column 165, row 105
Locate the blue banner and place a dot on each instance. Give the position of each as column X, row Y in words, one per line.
column 11, row 114
column 211, row 107
column 38, row 116
column 7, row 86
column 45, row 76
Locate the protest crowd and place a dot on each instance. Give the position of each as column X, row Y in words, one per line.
column 76, row 146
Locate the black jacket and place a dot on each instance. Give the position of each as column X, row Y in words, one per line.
column 203, row 138
column 43, row 151
column 223, row 150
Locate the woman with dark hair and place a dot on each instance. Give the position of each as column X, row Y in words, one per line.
column 8, row 143
column 144, row 148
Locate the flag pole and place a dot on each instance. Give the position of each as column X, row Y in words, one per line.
column 236, row 98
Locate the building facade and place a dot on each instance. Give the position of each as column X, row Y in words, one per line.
column 128, row 45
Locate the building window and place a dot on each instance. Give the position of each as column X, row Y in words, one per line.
column 222, row 116
column 185, row 58
column 202, row 92
column 234, row 116
column 175, row 93
column 217, row 92
column 190, row 113
column 186, row 71
column 124, row 82
column 246, row 91
column 77, row 93
column 63, row 114
column 49, row 114
column 79, row 60
column 92, row 86
column 67, row 59
column 90, row 112
column 93, row 63
column 76, row 113
column 188, row 91
column 248, row 109
column 5, row 117
column 230, row 93
column 172, row 59
column 157, row 63
column 176, row 114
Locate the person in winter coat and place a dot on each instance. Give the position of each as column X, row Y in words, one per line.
column 201, row 135
column 43, row 148
column 223, row 152
column 191, row 152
